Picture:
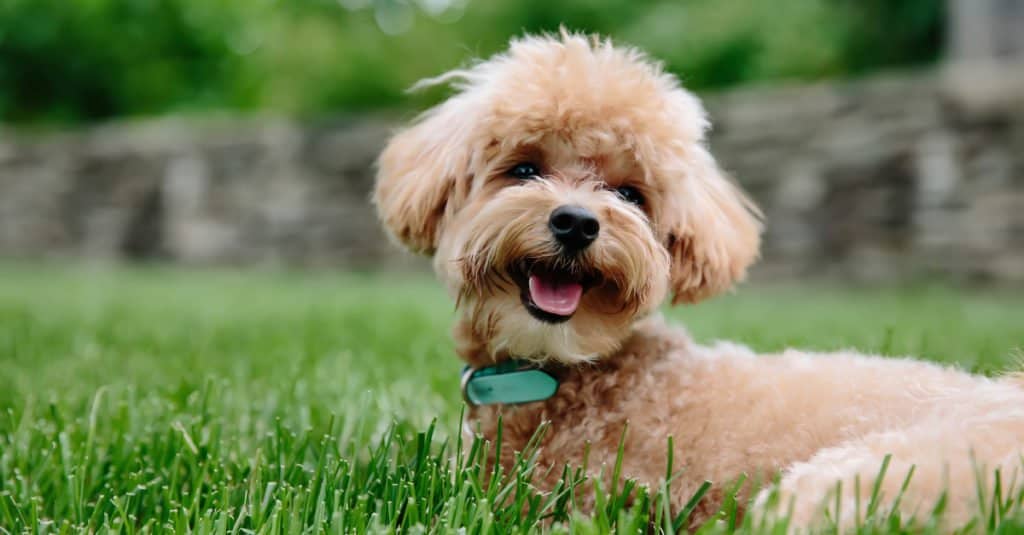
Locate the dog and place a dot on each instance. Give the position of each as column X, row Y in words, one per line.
column 565, row 191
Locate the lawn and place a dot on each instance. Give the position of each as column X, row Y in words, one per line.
column 154, row 399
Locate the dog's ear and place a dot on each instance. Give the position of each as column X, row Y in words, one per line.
column 418, row 173
column 714, row 231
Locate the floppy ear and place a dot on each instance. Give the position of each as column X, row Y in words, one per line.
column 716, row 234
column 417, row 175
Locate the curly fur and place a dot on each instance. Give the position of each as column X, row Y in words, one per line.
column 596, row 117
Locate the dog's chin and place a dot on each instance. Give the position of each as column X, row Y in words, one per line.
column 512, row 323
column 550, row 309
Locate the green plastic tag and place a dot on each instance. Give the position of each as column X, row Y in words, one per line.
column 508, row 383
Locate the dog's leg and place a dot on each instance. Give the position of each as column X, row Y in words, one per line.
column 948, row 458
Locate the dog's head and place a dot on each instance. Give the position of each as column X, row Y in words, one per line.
column 564, row 191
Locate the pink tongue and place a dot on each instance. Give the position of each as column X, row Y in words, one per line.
column 555, row 297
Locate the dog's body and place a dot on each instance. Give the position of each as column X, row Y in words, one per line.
column 564, row 192
column 818, row 419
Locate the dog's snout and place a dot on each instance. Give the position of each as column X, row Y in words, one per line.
column 574, row 226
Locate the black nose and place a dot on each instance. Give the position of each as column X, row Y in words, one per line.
column 574, row 227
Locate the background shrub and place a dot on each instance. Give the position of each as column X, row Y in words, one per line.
column 80, row 60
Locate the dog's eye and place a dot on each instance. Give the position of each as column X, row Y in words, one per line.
column 524, row 171
column 630, row 194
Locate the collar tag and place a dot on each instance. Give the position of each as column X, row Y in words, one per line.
column 508, row 383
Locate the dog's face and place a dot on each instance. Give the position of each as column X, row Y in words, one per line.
column 564, row 192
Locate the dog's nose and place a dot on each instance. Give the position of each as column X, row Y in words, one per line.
column 574, row 227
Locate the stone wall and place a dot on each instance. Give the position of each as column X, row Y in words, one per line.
column 881, row 178
column 212, row 191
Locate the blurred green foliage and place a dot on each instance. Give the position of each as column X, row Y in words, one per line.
column 79, row 60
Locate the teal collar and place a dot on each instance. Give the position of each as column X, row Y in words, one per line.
column 508, row 383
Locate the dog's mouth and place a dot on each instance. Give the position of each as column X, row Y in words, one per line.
column 549, row 293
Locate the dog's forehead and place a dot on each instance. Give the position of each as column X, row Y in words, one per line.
column 594, row 99
column 566, row 102
column 578, row 72
column 592, row 145
column 613, row 161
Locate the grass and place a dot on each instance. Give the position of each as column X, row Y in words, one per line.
column 139, row 400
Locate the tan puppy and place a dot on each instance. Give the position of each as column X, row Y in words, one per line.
column 564, row 192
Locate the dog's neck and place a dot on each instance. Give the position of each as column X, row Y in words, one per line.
column 610, row 379
column 474, row 351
